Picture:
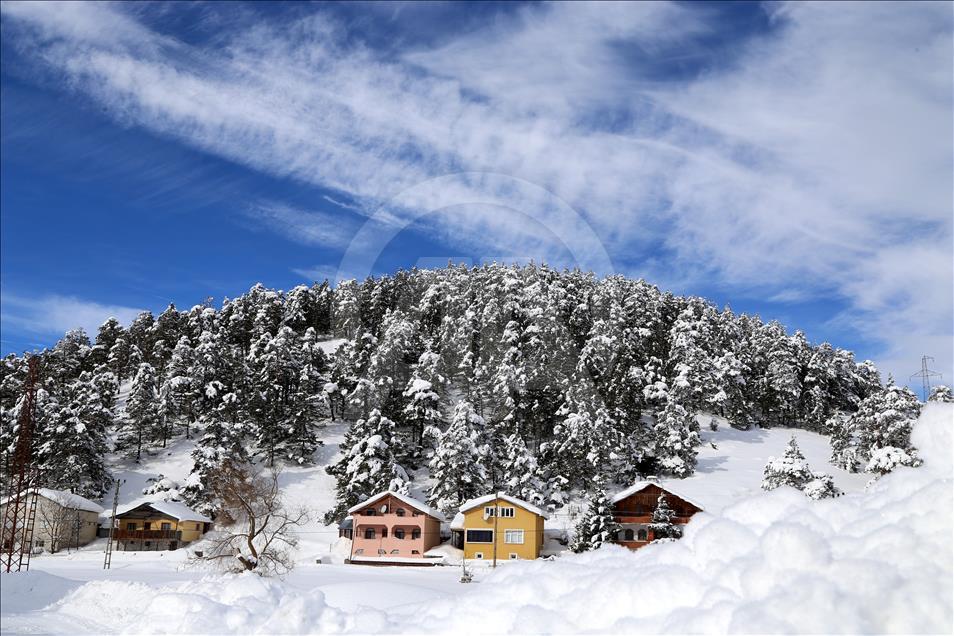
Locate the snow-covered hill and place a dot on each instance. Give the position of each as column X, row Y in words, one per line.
column 875, row 560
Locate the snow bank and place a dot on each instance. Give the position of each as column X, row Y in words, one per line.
column 32, row 590
column 878, row 561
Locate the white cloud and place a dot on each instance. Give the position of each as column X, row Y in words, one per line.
column 308, row 227
column 819, row 161
column 53, row 315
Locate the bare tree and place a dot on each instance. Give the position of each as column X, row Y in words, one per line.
column 58, row 523
column 258, row 532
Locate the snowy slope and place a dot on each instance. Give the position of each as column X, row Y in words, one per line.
column 870, row 561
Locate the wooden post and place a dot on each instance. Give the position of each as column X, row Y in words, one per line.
column 496, row 515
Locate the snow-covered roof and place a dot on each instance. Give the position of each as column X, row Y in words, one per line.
column 458, row 522
column 640, row 485
column 414, row 503
column 479, row 501
column 65, row 499
column 173, row 509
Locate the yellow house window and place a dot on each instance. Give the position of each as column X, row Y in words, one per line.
column 479, row 536
column 513, row 555
column 507, row 512
column 513, row 536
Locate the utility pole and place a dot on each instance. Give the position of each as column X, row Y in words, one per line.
column 925, row 374
column 496, row 515
column 108, row 559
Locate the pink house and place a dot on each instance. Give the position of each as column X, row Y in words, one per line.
column 393, row 528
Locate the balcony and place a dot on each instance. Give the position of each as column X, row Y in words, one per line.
column 147, row 535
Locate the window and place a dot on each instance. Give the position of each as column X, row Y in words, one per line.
column 513, row 555
column 416, row 533
column 507, row 513
column 415, row 552
column 478, row 555
column 399, row 512
column 642, row 535
column 480, row 536
column 395, row 552
column 198, row 526
column 513, row 536
column 628, row 534
column 370, row 512
column 147, row 525
column 490, row 511
column 359, row 551
column 399, row 534
column 415, row 514
column 167, row 526
column 382, row 551
column 40, row 543
column 369, row 533
column 384, row 533
column 131, row 525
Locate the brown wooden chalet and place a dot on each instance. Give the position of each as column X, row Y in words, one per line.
column 633, row 512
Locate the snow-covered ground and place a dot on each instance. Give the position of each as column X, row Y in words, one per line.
column 875, row 560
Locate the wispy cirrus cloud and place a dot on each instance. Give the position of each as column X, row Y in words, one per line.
column 53, row 314
column 817, row 164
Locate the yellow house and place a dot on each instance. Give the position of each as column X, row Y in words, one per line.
column 500, row 526
column 159, row 525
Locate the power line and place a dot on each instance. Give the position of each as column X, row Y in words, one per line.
column 926, row 374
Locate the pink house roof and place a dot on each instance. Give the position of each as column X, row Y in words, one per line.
column 410, row 501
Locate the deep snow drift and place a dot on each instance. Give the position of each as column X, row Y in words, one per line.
column 873, row 561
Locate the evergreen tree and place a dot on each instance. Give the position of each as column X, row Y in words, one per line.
column 522, row 476
column 677, row 439
column 941, row 393
column 457, row 468
column 789, row 470
column 596, row 526
column 884, row 421
column 223, row 441
column 368, row 465
column 142, row 411
column 662, row 526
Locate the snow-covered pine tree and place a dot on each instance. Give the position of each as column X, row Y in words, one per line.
column 422, row 409
column 223, row 440
column 662, row 526
column 522, row 476
column 107, row 335
column 789, row 470
column 368, row 465
column 180, row 390
column 677, row 440
column 821, row 486
column 884, row 421
column 596, row 526
column 72, row 449
column 457, row 467
column 305, row 403
column 138, row 427
column 941, row 393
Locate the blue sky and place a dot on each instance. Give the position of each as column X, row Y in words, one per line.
column 789, row 159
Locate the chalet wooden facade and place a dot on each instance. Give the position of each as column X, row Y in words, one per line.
column 160, row 525
column 633, row 512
